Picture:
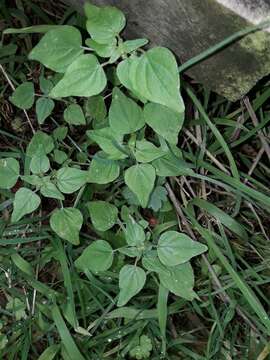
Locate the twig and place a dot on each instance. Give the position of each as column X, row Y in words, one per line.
column 13, row 88
column 255, row 163
column 256, row 123
column 223, row 295
column 219, row 165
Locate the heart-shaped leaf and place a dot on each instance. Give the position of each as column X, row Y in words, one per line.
column 84, row 77
column 24, row 96
column 67, row 223
column 58, row 48
column 103, row 214
column 96, row 257
column 74, row 115
column 25, row 202
column 140, row 179
column 131, row 281
column 70, row 180
column 176, row 248
column 9, row 172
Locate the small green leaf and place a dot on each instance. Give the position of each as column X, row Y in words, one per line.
column 164, row 121
column 24, row 95
column 84, row 77
column 46, row 85
column 154, row 75
column 40, row 140
column 9, row 172
column 25, row 202
column 109, row 142
column 102, row 50
column 157, row 198
column 104, row 23
column 58, row 48
column 74, row 115
column 103, row 170
column 95, row 108
column 176, row 248
column 131, row 281
column 179, row 280
column 16, row 307
column 125, row 116
column 59, row 156
column 134, row 233
column 60, row 133
column 40, row 162
column 33, row 180
column 96, row 257
column 67, row 223
column 143, row 349
column 48, row 189
column 44, row 108
column 103, row 214
column 70, row 180
column 141, row 179
column 146, row 152
column 171, row 165
column 132, row 45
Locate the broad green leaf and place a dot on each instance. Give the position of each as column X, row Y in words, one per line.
column 157, row 198
column 104, row 23
column 96, row 257
column 108, row 141
column 46, row 85
column 74, row 115
column 84, row 77
column 103, row 214
column 131, row 281
column 131, row 251
column 59, row 156
column 58, row 48
column 125, row 116
column 134, row 233
column 24, row 96
column 40, row 162
column 132, row 45
column 103, row 170
column 179, row 280
column 171, row 165
column 103, row 50
column 40, row 140
column 164, row 121
column 44, row 108
column 141, row 179
column 146, row 152
column 48, row 189
column 95, row 108
column 70, row 180
column 9, row 172
column 176, row 248
column 67, row 223
column 25, row 202
column 155, row 76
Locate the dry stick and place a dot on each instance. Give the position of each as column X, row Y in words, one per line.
column 219, row 165
column 13, row 88
column 255, row 163
column 223, row 295
column 256, row 123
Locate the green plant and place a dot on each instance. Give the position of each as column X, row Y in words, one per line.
column 137, row 134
